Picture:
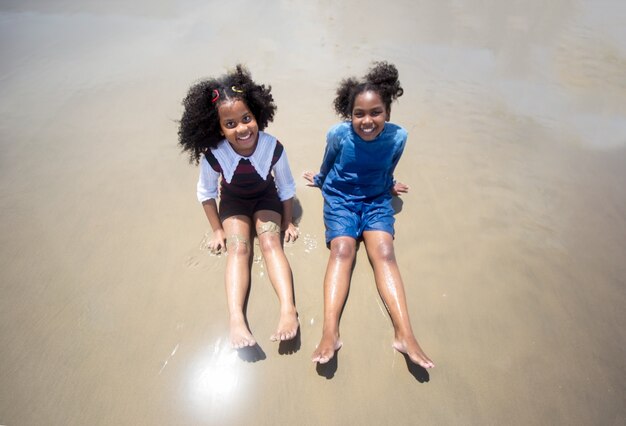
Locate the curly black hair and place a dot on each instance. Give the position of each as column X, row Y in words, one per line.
column 200, row 128
column 382, row 78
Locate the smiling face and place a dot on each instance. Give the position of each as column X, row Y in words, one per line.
column 369, row 115
column 239, row 126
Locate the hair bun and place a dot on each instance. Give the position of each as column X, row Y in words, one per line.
column 385, row 74
column 382, row 73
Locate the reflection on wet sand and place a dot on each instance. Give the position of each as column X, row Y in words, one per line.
column 215, row 381
column 511, row 240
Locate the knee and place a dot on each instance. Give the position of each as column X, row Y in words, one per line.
column 384, row 252
column 238, row 246
column 269, row 242
column 343, row 251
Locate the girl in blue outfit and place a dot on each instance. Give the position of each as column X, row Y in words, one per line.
column 356, row 178
column 221, row 129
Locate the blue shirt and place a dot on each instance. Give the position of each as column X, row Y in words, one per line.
column 357, row 170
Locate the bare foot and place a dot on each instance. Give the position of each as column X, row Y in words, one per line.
column 240, row 336
column 326, row 349
column 410, row 347
column 287, row 327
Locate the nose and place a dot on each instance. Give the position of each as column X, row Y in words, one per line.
column 242, row 128
column 367, row 119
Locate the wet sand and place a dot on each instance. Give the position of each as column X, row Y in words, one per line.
column 511, row 241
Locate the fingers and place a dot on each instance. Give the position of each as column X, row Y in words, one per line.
column 291, row 235
column 217, row 247
column 309, row 176
column 399, row 188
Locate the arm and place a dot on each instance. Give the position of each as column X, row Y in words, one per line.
column 286, row 188
column 330, row 154
column 218, row 241
column 291, row 232
column 398, row 188
column 207, row 194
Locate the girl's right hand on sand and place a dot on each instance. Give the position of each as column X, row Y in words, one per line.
column 399, row 188
column 217, row 245
column 309, row 177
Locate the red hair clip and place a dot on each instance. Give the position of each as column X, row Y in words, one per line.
column 216, row 96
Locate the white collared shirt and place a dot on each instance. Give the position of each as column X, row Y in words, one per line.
column 261, row 160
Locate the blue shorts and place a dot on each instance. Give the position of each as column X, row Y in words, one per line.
column 352, row 218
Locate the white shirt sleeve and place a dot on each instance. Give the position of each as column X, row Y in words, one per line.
column 207, row 182
column 285, row 184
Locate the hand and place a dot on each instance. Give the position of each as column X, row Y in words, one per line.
column 291, row 233
column 217, row 244
column 309, row 177
column 399, row 188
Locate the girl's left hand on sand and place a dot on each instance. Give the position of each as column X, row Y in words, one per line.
column 291, row 233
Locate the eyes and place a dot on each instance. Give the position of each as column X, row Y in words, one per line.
column 358, row 113
column 231, row 124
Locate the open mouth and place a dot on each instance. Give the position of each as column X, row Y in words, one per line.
column 368, row 130
column 245, row 138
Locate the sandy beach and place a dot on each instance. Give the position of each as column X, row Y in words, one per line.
column 511, row 241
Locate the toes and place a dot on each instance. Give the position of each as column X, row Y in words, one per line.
column 321, row 358
column 240, row 344
column 289, row 335
column 421, row 360
column 283, row 335
column 316, row 357
column 426, row 364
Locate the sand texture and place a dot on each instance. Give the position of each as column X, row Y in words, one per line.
column 511, row 241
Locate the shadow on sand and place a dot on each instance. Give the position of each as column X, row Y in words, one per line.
column 417, row 371
column 251, row 353
column 329, row 369
column 288, row 347
column 397, row 203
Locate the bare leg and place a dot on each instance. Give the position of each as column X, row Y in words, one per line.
column 237, row 230
column 381, row 253
column 279, row 273
column 336, row 285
